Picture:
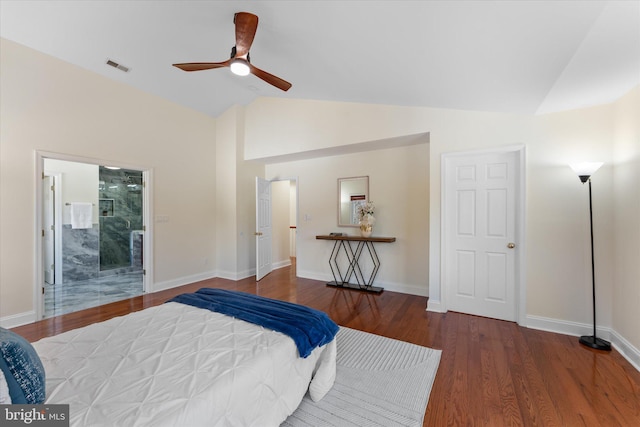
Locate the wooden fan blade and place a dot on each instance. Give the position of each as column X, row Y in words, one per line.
column 246, row 26
column 198, row 66
column 270, row 78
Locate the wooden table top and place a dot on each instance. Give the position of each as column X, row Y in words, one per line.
column 358, row 238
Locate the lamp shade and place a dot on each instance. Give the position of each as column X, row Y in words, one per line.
column 585, row 169
column 239, row 67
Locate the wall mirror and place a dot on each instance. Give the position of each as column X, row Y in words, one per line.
column 351, row 193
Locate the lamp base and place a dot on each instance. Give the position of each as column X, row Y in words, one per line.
column 595, row 342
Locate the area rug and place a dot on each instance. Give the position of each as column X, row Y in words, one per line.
column 379, row 382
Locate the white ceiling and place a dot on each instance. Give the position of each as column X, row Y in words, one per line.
column 504, row 56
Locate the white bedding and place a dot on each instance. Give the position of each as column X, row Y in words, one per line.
column 178, row 365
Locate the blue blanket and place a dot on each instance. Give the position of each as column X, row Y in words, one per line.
column 307, row 327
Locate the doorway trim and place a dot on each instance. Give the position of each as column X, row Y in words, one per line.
column 520, row 225
column 57, row 224
column 295, row 180
column 147, row 215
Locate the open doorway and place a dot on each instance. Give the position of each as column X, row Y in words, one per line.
column 93, row 248
column 276, row 222
column 284, row 213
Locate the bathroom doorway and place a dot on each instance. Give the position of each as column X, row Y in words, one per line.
column 92, row 218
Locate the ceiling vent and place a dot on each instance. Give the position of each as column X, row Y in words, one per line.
column 118, row 66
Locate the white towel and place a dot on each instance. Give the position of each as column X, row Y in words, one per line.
column 81, row 215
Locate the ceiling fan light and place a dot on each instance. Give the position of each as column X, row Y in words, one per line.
column 239, row 67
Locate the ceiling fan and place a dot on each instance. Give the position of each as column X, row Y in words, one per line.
column 239, row 63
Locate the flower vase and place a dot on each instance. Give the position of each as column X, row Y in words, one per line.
column 365, row 230
column 367, row 219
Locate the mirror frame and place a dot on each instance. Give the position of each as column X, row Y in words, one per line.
column 340, row 181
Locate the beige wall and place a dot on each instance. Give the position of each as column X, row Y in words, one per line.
column 226, row 190
column 557, row 274
column 276, row 126
column 52, row 106
column 49, row 105
column 398, row 184
column 236, row 198
column 559, row 248
column 247, row 172
column 626, row 207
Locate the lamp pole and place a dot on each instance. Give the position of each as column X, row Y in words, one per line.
column 585, row 170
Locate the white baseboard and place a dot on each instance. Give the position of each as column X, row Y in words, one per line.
column 281, row 264
column 388, row 286
column 624, row 347
column 404, row 289
column 313, row 275
column 174, row 283
column 19, row 319
column 565, row 327
column 239, row 275
column 627, row 349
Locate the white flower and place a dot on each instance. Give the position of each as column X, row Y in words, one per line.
column 365, row 213
column 368, row 219
column 366, row 208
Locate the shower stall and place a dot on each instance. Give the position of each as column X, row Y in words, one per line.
column 120, row 219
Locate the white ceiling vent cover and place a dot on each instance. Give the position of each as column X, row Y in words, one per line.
column 118, row 66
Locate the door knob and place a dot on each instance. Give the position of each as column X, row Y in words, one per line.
column 257, row 233
column 511, row 245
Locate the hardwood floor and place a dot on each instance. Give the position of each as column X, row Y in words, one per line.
column 492, row 373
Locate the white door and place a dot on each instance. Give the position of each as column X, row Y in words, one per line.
column 479, row 218
column 48, row 244
column 263, row 228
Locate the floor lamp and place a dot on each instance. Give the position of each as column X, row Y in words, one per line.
column 584, row 171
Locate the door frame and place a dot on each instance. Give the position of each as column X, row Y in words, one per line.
column 147, row 215
column 520, row 225
column 57, row 225
column 296, row 213
column 295, row 180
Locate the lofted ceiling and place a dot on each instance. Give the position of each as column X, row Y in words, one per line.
column 516, row 56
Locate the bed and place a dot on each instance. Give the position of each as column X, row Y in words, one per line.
column 182, row 365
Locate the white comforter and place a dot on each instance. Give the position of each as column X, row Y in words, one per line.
column 177, row 365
